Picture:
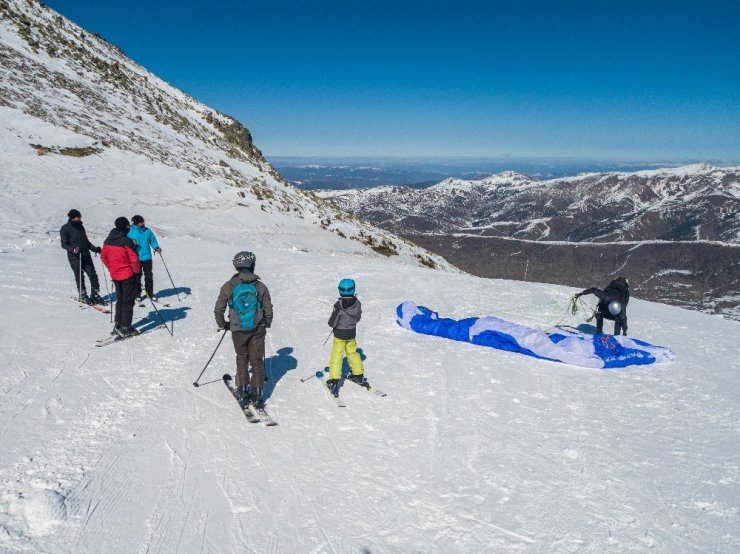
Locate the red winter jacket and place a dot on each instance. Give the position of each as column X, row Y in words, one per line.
column 119, row 256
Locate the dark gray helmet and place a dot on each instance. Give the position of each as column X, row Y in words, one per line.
column 615, row 307
column 244, row 260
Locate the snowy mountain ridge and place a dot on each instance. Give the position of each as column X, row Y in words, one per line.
column 59, row 73
column 685, row 203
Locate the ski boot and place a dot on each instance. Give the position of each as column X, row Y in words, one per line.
column 95, row 298
column 116, row 329
column 241, row 396
column 127, row 332
column 333, row 386
column 255, row 398
column 84, row 298
column 359, row 378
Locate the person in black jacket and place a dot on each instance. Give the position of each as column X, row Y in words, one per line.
column 612, row 304
column 74, row 240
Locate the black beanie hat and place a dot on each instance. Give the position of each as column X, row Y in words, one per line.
column 73, row 213
column 137, row 219
column 122, row 224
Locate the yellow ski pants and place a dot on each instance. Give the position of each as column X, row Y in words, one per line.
column 339, row 349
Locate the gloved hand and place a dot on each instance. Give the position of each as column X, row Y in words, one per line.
column 96, row 249
column 159, row 250
column 226, row 326
column 76, row 250
column 577, row 295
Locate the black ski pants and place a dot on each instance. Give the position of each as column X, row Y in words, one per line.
column 126, row 292
column 146, row 271
column 84, row 260
column 620, row 322
column 250, row 350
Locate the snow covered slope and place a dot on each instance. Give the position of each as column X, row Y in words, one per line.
column 113, row 450
column 97, row 103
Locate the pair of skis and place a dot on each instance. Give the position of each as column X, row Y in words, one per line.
column 115, row 338
column 335, row 392
column 252, row 413
column 102, row 308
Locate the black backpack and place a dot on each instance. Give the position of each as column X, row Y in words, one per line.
column 618, row 289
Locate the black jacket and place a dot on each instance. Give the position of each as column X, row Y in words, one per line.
column 73, row 235
column 618, row 290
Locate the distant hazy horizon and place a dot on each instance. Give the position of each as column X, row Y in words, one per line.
column 342, row 172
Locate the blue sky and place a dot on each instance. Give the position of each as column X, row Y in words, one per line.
column 596, row 79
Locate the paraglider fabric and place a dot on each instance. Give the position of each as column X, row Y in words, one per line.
column 597, row 351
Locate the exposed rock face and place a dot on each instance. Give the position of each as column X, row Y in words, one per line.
column 697, row 275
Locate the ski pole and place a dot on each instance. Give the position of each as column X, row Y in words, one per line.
column 314, row 357
column 318, row 374
column 79, row 288
column 170, row 276
column 195, row 384
column 107, row 291
column 172, row 333
column 219, row 380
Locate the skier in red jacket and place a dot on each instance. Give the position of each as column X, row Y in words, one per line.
column 119, row 256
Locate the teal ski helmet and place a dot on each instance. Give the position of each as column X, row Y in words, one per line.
column 346, row 287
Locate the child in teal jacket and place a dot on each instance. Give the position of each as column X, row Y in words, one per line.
column 145, row 243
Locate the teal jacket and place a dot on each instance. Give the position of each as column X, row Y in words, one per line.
column 145, row 242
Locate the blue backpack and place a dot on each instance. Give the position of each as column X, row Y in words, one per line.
column 245, row 302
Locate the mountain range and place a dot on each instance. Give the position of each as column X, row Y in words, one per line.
column 675, row 231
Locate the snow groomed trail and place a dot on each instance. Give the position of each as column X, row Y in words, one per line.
column 114, row 450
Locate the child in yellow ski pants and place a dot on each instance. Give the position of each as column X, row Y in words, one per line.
column 339, row 349
column 344, row 318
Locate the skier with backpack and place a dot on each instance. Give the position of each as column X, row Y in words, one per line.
column 74, row 240
column 612, row 304
column 344, row 318
column 119, row 256
column 250, row 315
column 145, row 242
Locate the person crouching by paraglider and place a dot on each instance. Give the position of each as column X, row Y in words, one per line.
column 612, row 304
column 145, row 242
column 119, row 256
column 344, row 319
column 250, row 315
